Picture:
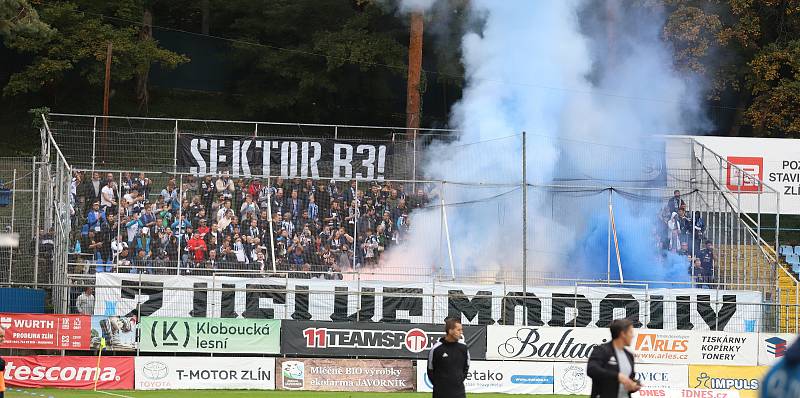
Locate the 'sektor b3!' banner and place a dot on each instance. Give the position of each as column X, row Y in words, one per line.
column 310, row 158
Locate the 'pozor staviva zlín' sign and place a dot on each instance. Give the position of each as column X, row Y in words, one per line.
column 210, row 335
column 774, row 161
column 377, row 301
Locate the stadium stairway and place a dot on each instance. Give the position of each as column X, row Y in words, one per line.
column 787, row 288
column 745, row 267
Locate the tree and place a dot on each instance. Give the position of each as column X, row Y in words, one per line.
column 78, row 45
column 747, row 51
column 19, row 19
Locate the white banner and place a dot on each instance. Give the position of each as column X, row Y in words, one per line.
column 719, row 348
column 689, row 347
column 326, row 300
column 543, row 343
column 772, row 346
column 772, row 160
column 199, row 373
column 499, row 377
column 571, row 378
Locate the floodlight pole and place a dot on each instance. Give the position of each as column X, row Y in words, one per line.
column 524, row 223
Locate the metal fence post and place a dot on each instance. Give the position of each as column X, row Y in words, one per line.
column 94, row 142
column 13, row 210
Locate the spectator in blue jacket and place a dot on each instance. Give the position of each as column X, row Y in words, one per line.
column 96, row 217
column 783, row 380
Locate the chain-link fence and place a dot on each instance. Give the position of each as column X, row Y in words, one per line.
column 173, row 196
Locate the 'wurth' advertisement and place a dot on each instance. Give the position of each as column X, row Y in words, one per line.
column 115, row 373
column 385, row 340
column 46, row 331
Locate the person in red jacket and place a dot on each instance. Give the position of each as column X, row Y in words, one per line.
column 197, row 246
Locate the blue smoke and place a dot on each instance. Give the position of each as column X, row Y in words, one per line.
column 591, row 102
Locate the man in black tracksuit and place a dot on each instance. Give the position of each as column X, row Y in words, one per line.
column 448, row 362
column 611, row 366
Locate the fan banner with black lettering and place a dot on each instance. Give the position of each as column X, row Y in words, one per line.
column 408, row 302
column 317, row 158
column 365, row 339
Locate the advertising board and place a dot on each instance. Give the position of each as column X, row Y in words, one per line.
column 365, row 375
column 78, row 372
column 499, row 377
column 257, row 336
column 744, row 379
column 201, row 373
column 45, row 331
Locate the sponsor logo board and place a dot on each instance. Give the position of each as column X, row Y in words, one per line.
column 499, row 377
column 79, row 372
column 688, row 347
column 119, row 332
column 366, row 375
column 197, row 373
column 571, row 378
column 772, row 346
column 45, row 331
column 684, row 393
column 744, row 379
column 543, row 343
column 370, row 339
column 260, row 336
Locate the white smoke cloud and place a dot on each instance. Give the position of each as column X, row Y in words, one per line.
column 545, row 67
column 416, row 5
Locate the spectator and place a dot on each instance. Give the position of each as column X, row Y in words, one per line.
column 370, row 247
column 141, row 264
column 225, row 186
column 180, row 226
column 161, row 263
column 248, row 208
column 684, row 250
column 108, row 197
column 344, row 259
column 294, row 205
column 117, row 247
column 197, row 247
column 696, row 271
column 95, row 217
column 313, row 209
column 674, row 227
column 698, row 230
column 685, row 225
column 132, row 227
column 707, row 259
column 208, row 190
column 123, row 261
column 143, row 241
column 170, row 196
column 675, row 202
column 85, row 302
column 211, row 264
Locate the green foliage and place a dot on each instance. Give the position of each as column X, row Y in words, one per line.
column 79, row 43
column 747, row 49
column 19, row 19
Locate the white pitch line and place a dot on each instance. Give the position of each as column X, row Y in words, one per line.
column 116, row 395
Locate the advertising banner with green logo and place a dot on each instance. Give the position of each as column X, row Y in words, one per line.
column 257, row 336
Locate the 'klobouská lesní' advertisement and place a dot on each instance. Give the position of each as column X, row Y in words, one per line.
column 366, row 375
column 256, row 336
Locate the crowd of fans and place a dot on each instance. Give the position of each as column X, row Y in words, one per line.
column 220, row 223
column 683, row 233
